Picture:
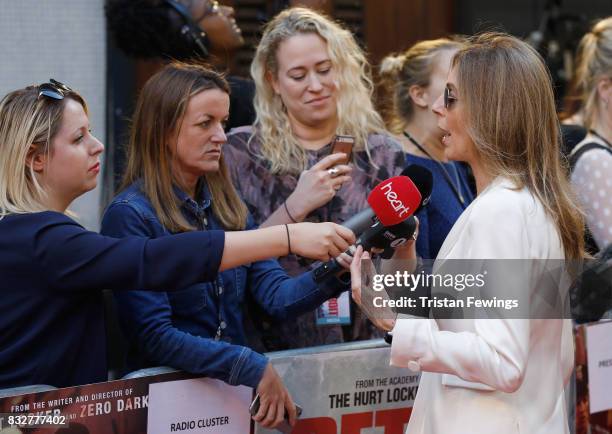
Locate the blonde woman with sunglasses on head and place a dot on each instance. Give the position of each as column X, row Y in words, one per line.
column 53, row 270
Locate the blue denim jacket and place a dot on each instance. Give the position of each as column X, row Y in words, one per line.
column 200, row 328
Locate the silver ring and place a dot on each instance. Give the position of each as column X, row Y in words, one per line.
column 414, row 236
column 333, row 171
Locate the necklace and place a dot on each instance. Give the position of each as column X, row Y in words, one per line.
column 455, row 187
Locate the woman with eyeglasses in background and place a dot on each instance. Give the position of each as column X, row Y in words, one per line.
column 481, row 372
column 53, row 270
column 413, row 80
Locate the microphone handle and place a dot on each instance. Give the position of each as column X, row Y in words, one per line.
column 373, row 237
column 325, row 270
column 361, row 221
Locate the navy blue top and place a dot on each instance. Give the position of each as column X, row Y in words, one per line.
column 200, row 329
column 52, row 275
column 444, row 208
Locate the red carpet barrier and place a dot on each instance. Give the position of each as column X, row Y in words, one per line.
column 341, row 388
column 346, row 388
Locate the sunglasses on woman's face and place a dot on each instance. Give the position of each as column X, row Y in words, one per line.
column 54, row 90
column 449, row 99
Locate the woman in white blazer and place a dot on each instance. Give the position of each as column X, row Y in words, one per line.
column 496, row 375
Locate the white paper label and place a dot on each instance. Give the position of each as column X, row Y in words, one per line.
column 599, row 356
column 200, row 405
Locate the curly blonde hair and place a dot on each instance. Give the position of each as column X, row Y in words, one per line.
column 356, row 114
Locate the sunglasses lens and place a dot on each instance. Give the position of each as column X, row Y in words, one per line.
column 50, row 93
column 449, row 100
column 54, row 90
column 60, row 85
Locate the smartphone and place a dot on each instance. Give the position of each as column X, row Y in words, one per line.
column 283, row 427
column 343, row 144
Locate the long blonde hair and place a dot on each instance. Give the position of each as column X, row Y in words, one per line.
column 510, row 108
column 27, row 122
column 399, row 72
column 593, row 62
column 356, row 113
column 159, row 113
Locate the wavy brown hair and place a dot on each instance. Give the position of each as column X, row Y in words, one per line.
column 510, row 107
column 159, row 113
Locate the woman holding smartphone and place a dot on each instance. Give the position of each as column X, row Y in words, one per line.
column 312, row 84
column 53, row 270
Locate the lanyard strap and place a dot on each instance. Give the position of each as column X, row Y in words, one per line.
column 445, row 173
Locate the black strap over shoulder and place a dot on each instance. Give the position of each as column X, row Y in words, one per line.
column 581, row 149
column 589, row 242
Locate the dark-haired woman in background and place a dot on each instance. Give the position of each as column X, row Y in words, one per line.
column 154, row 31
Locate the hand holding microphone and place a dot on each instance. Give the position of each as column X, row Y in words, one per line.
column 387, row 223
column 404, row 251
column 320, row 241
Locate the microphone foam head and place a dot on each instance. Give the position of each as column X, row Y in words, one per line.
column 422, row 179
column 394, row 200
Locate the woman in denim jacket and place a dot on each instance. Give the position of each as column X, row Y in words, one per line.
column 176, row 181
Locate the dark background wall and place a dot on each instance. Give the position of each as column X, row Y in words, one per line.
column 520, row 17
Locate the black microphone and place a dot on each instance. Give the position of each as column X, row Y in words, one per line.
column 377, row 236
column 361, row 221
column 423, row 180
column 387, row 238
column 370, row 232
